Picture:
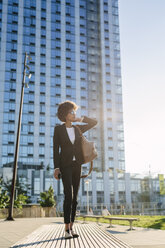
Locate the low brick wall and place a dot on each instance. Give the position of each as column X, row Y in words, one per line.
column 30, row 212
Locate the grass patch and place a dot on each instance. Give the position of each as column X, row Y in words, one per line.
column 156, row 222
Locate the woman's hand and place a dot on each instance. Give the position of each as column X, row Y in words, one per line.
column 56, row 172
column 78, row 119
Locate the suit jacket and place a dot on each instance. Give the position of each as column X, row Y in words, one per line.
column 63, row 149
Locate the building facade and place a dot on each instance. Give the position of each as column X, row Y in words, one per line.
column 74, row 47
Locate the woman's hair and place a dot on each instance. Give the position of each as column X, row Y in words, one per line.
column 64, row 108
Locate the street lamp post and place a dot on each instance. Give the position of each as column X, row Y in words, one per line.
column 10, row 213
column 87, row 185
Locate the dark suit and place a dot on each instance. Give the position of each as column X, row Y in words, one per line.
column 63, row 153
column 61, row 141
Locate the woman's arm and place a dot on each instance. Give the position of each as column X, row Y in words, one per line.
column 90, row 123
column 56, row 154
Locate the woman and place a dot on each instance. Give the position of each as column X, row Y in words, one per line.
column 68, row 158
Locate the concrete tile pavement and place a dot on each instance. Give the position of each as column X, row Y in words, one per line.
column 139, row 237
column 13, row 231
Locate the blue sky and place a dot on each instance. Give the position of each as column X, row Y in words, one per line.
column 142, row 37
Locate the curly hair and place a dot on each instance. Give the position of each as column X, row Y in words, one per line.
column 64, row 108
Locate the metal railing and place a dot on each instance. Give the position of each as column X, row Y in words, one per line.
column 140, row 208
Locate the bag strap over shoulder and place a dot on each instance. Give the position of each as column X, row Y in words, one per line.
column 91, row 163
column 90, row 170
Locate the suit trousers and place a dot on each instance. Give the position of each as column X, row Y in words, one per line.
column 71, row 181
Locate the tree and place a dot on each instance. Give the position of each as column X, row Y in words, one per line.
column 47, row 198
column 144, row 196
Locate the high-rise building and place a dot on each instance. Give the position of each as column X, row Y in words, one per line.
column 75, row 51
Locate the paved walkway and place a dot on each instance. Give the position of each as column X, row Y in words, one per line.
column 90, row 236
column 139, row 237
column 13, row 231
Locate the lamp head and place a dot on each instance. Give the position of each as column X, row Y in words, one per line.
column 30, row 75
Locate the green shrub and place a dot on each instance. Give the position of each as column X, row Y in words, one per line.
column 20, row 200
column 4, row 198
column 47, row 198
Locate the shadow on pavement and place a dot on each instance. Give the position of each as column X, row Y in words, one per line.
column 158, row 224
column 115, row 232
column 37, row 243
